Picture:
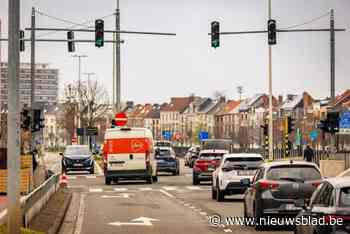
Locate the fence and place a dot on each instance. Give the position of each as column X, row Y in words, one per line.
column 36, row 200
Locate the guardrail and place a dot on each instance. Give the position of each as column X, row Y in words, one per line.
column 33, row 202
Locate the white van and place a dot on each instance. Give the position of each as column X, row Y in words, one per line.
column 128, row 153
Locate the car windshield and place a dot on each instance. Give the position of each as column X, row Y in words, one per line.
column 163, row 153
column 77, row 151
column 344, row 199
column 209, row 156
column 244, row 159
column 293, row 172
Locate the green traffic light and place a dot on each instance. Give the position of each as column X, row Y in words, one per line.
column 215, row 43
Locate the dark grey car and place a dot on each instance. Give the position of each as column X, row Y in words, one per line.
column 331, row 200
column 277, row 185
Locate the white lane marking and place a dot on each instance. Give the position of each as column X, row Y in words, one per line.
column 145, row 189
column 166, row 193
column 188, row 175
column 193, row 187
column 227, row 230
column 121, row 195
column 120, row 189
column 71, row 177
column 98, row 169
column 95, row 190
column 91, row 177
column 192, row 207
column 186, row 204
column 76, row 186
column 169, row 188
column 203, row 213
column 141, row 221
column 80, row 217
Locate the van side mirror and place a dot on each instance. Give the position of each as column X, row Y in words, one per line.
column 245, row 182
column 61, row 154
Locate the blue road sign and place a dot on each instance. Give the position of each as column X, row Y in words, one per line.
column 344, row 120
column 167, row 135
column 203, row 135
column 313, row 135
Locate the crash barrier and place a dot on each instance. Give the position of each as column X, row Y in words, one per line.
column 33, row 202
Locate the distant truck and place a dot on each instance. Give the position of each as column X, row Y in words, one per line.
column 128, row 153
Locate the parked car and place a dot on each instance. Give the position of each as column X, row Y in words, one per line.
column 277, row 185
column 345, row 173
column 192, row 155
column 77, row 158
column 206, row 164
column 232, row 169
column 167, row 161
column 331, row 200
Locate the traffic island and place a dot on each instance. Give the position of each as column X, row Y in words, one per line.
column 51, row 217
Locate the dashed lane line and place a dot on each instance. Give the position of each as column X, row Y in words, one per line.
column 120, row 189
column 95, row 190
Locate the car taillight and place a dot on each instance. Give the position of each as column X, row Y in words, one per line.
column 266, row 185
column 316, row 184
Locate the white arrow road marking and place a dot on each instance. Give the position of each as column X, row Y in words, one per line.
column 122, row 195
column 95, row 190
column 120, row 189
column 145, row 189
column 141, row 221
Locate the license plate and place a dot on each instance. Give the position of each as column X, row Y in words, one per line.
column 161, row 161
column 246, row 173
column 78, row 164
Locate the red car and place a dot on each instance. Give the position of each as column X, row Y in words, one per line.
column 206, row 164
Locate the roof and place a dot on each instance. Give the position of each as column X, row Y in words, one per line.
column 154, row 113
column 291, row 104
column 341, row 99
column 213, row 151
column 229, row 107
column 339, row 182
column 247, row 103
column 178, row 104
column 281, row 163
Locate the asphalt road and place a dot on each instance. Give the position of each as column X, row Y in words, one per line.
column 173, row 205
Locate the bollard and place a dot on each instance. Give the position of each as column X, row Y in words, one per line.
column 63, row 181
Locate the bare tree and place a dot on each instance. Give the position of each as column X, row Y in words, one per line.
column 219, row 94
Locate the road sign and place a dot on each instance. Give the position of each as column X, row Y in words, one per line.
column 167, row 135
column 313, row 135
column 344, row 123
column 121, row 119
column 178, row 136
column 141, row 221
column 203, row 135
column 91, row 131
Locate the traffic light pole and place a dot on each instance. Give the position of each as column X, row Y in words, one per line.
column 331, row 29
column 14, row 217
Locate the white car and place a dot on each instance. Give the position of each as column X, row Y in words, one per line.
column 232, row 169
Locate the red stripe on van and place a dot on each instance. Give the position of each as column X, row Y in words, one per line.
column 127, row 146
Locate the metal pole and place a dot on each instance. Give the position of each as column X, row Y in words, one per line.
column 88, row 102
column 270, row 95
column 114, row 69
column 32, row 61
column 118, row 82
column 14, row 217
column 332, row 53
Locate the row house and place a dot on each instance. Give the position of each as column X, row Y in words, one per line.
column 226, row 119
column 152, row 121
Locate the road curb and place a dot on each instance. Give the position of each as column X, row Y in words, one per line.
column 60, row 216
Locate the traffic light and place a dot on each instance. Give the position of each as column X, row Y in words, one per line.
column 71, row 44
column 113, row 123
column 290, row 124
column 25, row 119
column 37, row 120
column 333, row 120
column 99, row 33
column 215, row 34
column 21, row 41
column 265, row 128
column 271, row 28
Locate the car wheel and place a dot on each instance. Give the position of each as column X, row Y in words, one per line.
column 108, row 181
column 213, row 193
column 195, row 180
column 220, row 195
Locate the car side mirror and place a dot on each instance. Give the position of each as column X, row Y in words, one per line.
column 61, row 154
column 245, row 182
column 300, row 203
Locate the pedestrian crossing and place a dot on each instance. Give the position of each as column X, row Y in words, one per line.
column 145, row 189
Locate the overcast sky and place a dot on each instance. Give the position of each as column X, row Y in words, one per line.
column 155, row 68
